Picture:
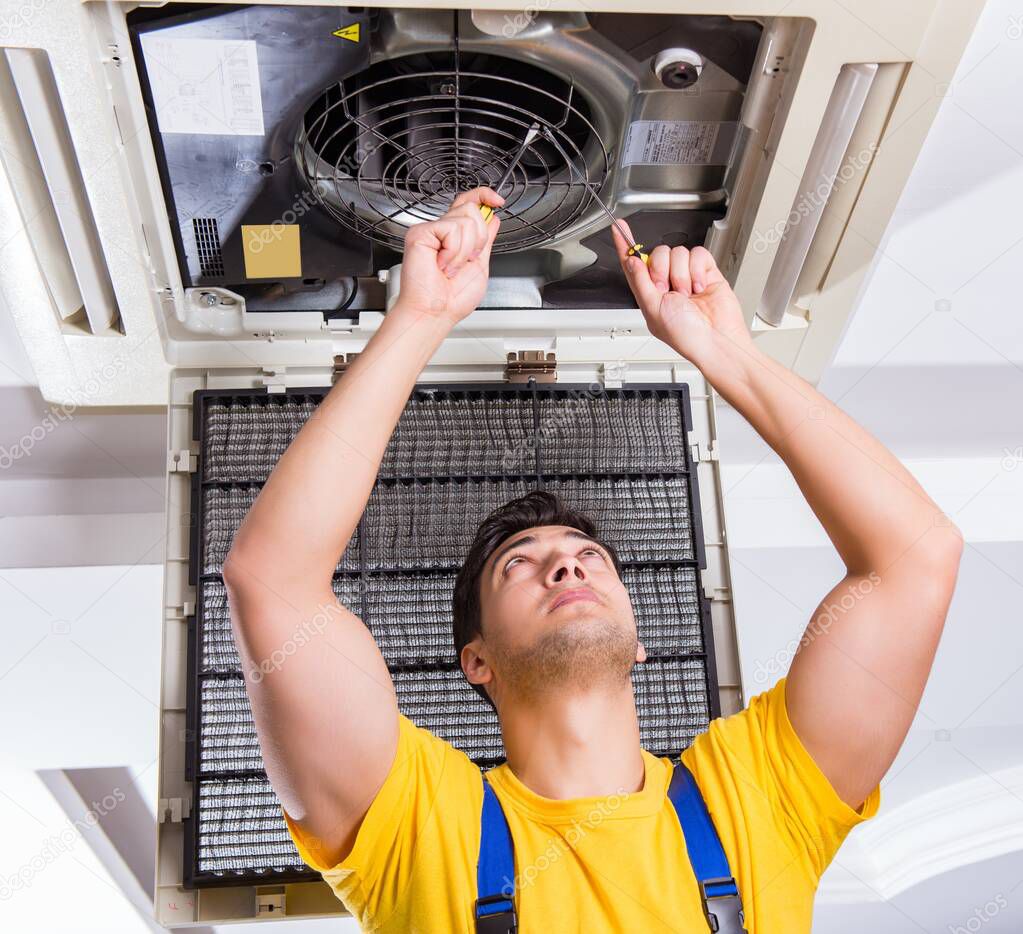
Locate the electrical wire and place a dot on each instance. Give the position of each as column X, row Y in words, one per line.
column 346, row 304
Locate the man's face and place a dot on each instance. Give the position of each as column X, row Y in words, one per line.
column 555, row 615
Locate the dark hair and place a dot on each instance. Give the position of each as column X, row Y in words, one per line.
column 534, row 509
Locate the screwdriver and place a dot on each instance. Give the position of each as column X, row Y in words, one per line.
column 485, row 209
column 635, row 249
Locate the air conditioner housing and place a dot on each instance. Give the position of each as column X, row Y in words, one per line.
column 821, row 110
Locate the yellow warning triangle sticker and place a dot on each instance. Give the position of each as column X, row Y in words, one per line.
column 351, row 33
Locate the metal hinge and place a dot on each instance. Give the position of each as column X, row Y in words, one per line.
column 341, row 363
column 174, row 810
column 524, row 365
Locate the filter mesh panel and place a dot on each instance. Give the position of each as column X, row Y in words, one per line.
column 645, row 519
column 224, row 508
column 240, row 824
column 666, row 602
column 593, row 432
column 219, row 653
column 451, row 435
column 227, row 735
column 430, row 525
column 671, row 702
column 415, row 525
column 240, row 828
column 457, row 453
column 410, row 615
column 244, row 439
column 439, row 435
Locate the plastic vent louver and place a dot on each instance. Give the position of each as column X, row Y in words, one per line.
column 457, row 453
column 207, row 246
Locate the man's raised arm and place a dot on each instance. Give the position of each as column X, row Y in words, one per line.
column 321, row 695
column 856, row 680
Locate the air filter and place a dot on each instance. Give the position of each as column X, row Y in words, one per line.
column 457, row 453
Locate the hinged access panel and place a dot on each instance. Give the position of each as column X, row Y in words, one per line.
column 460, row 449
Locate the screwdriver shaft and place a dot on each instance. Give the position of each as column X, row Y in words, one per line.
column 635, row 249
column 531, row 134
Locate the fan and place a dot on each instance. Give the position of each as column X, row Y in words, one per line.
column 394, row 144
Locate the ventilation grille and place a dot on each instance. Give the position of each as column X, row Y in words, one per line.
column 456, row 454
column 39, row 157
column 393, row 145
column 207, row 245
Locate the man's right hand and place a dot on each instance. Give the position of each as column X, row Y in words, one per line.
column 686, row 301
column 447, row 261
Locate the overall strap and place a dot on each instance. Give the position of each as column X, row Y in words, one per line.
column 494, row 910
column 718, row 891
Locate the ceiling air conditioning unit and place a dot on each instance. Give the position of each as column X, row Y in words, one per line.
column 203, row 205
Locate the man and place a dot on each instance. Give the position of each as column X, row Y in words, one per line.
column 390, row 814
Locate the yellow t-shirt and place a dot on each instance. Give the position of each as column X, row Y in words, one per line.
column 615, row 864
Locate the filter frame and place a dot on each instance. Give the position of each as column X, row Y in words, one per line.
column 535, row 475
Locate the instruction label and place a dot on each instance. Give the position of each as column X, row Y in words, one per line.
column 206, row 86
column 678, row 142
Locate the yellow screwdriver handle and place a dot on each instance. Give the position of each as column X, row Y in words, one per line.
column 637, row 250
column 487, row 211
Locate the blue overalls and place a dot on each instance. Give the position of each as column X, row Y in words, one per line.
column 494, row 909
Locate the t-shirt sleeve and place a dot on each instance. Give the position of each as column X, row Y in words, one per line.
column 756, row 760
column 403, row 819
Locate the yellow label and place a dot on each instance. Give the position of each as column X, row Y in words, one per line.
column 271, row 251
column 351, row 33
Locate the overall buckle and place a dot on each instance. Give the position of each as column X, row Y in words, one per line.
column 724, row 910
column 498, row 922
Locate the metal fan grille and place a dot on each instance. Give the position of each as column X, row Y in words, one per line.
column 456, row 454
column 393, row 146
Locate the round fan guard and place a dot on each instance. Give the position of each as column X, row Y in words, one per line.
column 394, row 145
